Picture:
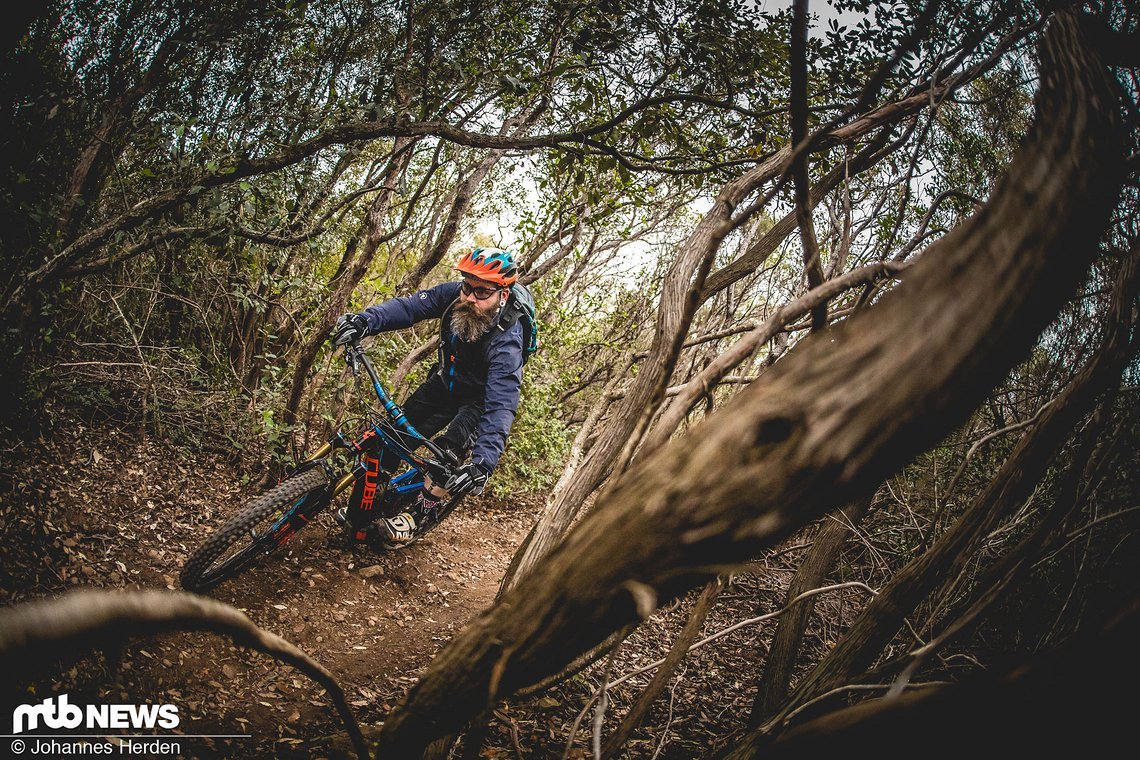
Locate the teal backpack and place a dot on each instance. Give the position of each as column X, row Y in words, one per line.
column 520, row 308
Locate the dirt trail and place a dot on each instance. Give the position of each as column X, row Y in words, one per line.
column 126, row 515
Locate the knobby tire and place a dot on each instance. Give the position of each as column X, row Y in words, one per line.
column 203, row 571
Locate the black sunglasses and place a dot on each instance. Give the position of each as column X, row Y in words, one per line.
column 481, row 293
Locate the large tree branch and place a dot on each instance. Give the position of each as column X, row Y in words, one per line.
column 36, row 633
column 242, row 168
column 849, row 407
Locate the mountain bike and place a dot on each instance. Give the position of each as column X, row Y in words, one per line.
column 273, row 518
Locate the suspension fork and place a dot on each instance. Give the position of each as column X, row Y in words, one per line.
column 320, row 453
column 338, row 441
column 317, row 458
column 346, row 480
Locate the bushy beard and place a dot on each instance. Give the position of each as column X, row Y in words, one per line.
column 469, row 322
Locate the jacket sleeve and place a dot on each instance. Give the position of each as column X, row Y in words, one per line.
column 405, row 311
column 504, row 381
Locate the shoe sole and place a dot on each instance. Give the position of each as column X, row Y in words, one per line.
column 394, row 545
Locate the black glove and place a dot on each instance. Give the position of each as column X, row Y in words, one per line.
column 349, row 329
column 469, row 478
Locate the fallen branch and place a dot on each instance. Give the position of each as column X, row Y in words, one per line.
column 34, row 634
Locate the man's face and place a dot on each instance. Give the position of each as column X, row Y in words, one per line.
column 476, row 308
column 480, row 295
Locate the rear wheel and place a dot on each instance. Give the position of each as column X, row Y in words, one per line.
column 264, row 524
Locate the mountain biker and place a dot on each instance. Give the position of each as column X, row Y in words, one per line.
column 473, row 390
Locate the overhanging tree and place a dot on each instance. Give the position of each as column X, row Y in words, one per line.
column 825, row 425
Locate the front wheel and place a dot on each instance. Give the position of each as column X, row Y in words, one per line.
column 264, row 524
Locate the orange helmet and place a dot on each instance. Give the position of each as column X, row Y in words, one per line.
column 491, row 264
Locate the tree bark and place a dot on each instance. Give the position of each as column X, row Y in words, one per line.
column 836, row 417
column 578, row 448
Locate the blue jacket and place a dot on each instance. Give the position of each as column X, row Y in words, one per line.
column 487, row 371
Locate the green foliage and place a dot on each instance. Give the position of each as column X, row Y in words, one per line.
column 539, row 440
column 221, row 291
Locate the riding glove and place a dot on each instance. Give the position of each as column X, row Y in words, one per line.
column 469, row 478
column 349, row 329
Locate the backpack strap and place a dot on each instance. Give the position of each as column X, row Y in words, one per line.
column 444, row 330
column 512, row 312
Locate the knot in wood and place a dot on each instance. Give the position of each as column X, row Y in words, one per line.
column 773, row 430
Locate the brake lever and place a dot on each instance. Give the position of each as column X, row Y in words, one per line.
column 450, row 473
column 352, row 358
column 447, row 457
